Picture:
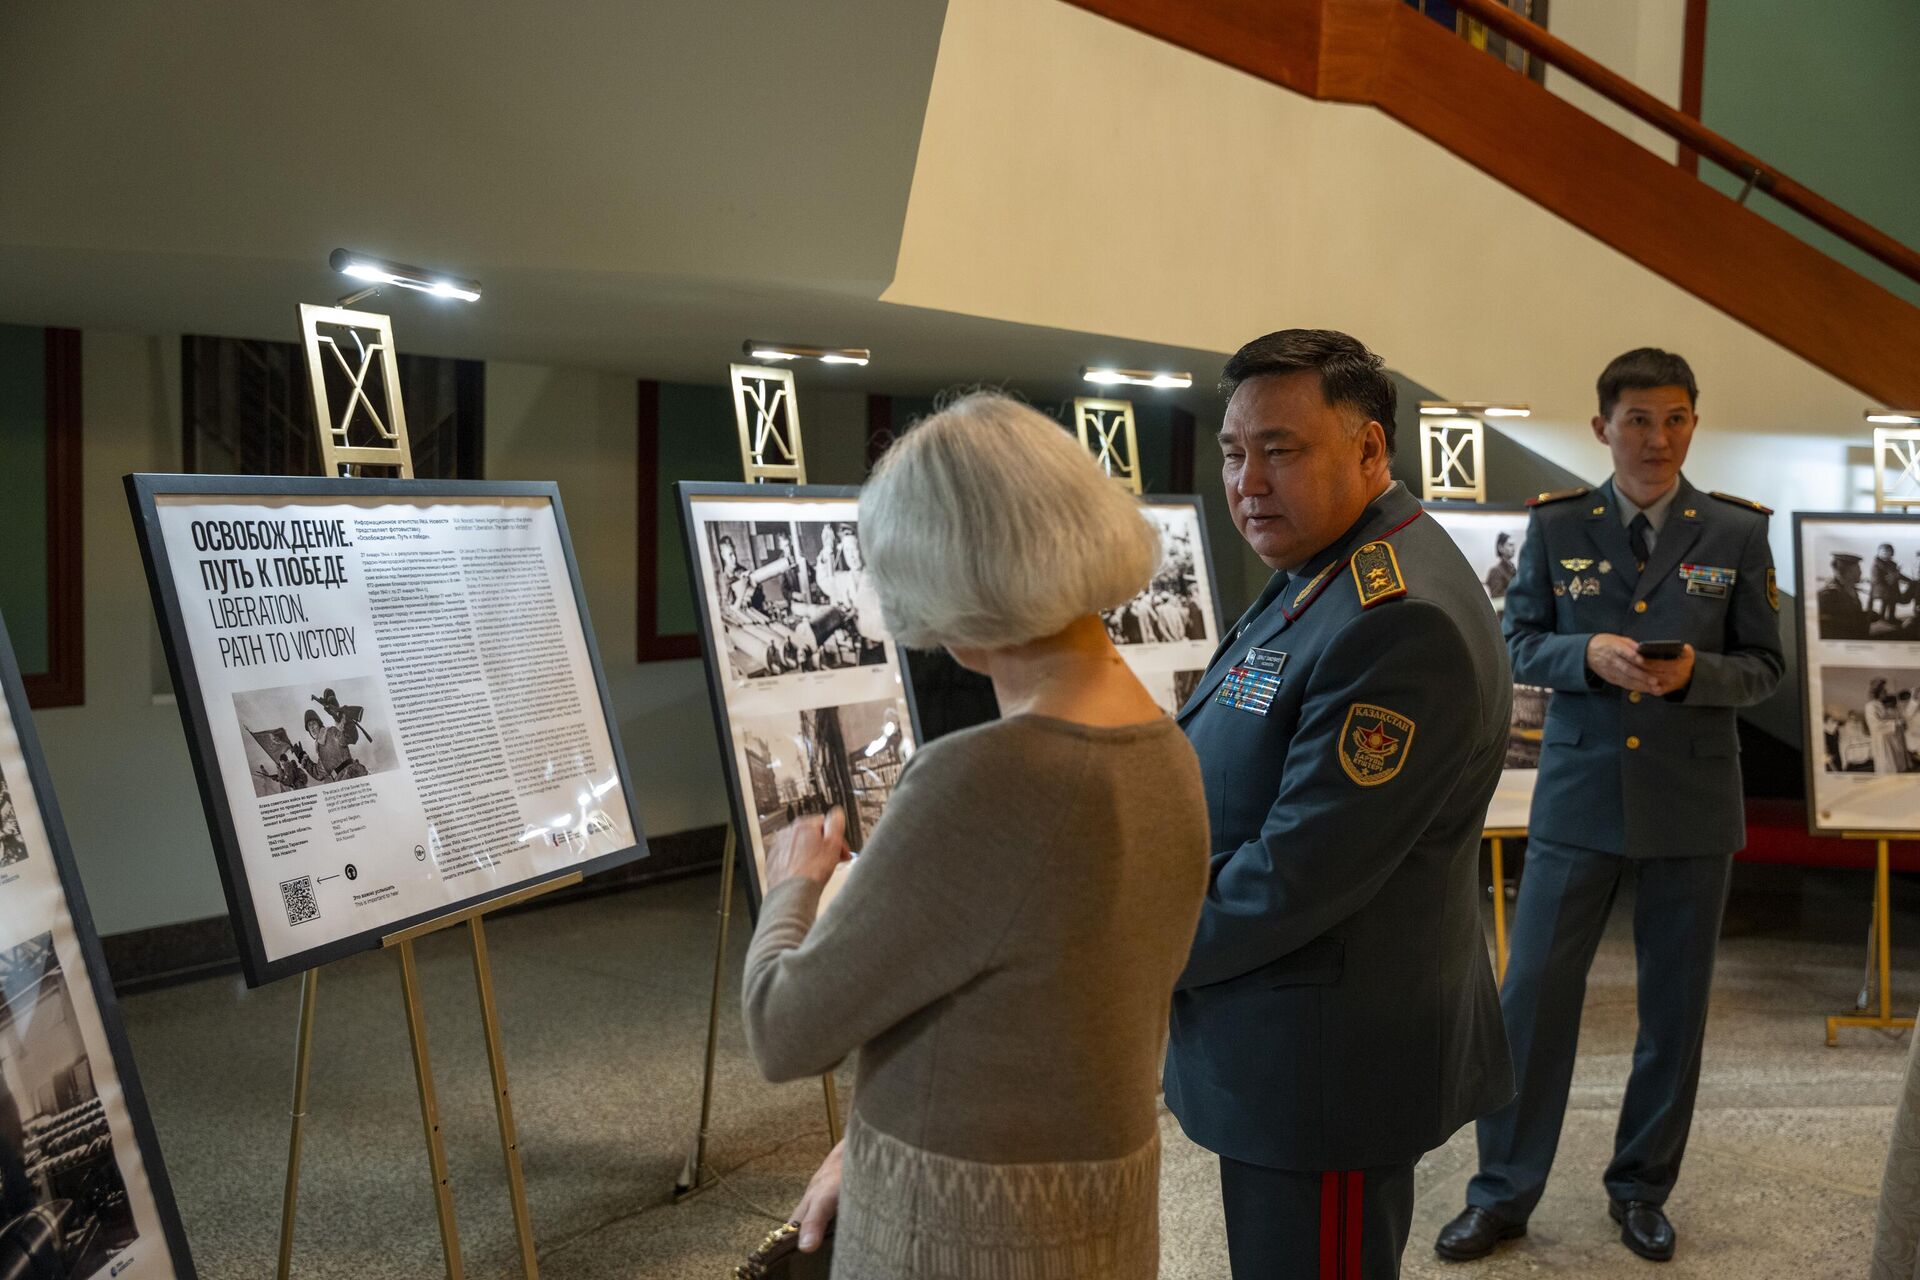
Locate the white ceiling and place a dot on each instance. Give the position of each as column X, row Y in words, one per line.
column 638, row 186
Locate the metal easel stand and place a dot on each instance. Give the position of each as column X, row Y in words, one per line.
column 1879, row 946
column 402, row 944
column 1496, row 838
column 693, row 1174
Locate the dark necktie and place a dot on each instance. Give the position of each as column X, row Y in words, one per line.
column 1637, row 537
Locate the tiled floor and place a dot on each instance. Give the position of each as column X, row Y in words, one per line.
column 604, row 1003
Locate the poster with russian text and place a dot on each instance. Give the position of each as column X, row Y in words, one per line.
column 1857, row 594
column 809, row 688
column 80, row 1173
column 396, row 702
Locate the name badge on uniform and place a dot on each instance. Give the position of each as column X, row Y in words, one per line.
column 1253, row 681
column 1707, row 580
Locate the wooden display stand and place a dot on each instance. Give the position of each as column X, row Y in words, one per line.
column 1879, row 943
column 1496, row 838
column 337, row 459
column 770, row 451
column 1903, row 447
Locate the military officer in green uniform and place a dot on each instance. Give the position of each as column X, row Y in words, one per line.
column 1639, row 779
column 1337, row 1017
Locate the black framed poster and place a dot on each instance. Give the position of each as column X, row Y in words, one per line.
column 809, row 691
column 392, row 696
column 83, row 1191
column 1490, row 537
column 1168, row 632
column 1857, row 597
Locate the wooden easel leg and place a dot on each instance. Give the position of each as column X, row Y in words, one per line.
column 833, row 1111
column 430, row 1112
column 503, row 1103
column 694, row 1170
column 1499, row 911
column 302, row 1060
column 1882, row 954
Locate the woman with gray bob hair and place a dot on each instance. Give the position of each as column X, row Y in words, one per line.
column 1003, row 953
column 988, row 526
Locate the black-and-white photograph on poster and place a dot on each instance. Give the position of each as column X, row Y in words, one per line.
column 297, row 737
column 809, row 761
column 809, row 692
column 392, row 695
column 1490, row 538
column 1855, row 580
column 83, row 1191
column 1167, row 633
column 1870, row 719
column 792, row 596
column 1864, row 579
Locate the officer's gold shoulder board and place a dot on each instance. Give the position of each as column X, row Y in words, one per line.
column 1374, row 743
column 1558, row 495
column 1376, row 574
column 1748, row 503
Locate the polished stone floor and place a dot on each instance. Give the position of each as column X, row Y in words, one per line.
column 604, row 1004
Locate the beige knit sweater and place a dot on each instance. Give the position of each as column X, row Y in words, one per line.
column 1002, row 955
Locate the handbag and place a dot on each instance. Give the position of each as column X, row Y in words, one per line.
column 779, row 1257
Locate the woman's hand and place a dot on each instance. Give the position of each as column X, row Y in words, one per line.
column 810, row 848
column 821, row 1202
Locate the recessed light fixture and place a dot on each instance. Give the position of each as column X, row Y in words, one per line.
column 794, row 351
column 378, row 273
column 1473, row 408
column 1134, row 377
column 1895, row 417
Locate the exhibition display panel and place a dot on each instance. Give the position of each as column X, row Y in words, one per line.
column 392, row 697
column 83, row 1191
column 1490, row 538
column 810, row 693
column 1169, row 631
column 1857, row 579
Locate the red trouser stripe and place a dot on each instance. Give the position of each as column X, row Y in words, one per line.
column 1330, row 1206
column 1340, row 1201
column 1356, row 1182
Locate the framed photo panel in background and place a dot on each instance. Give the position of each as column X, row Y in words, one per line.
column 85, row 1192
column 1168, row 632
column 810, row 694
column 1490, row 538
column 392, row 698
column 1857, row 579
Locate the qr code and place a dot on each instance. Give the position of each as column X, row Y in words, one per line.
column 299, row 899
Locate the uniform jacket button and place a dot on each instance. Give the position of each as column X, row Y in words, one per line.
column 1639, row 606
column 1633, row 743
column 1634, row 696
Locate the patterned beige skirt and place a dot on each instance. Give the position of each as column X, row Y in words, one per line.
column 908, row 1214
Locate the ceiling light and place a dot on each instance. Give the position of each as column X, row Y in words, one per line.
column 1474, row 408
column 796, row 351
column 1134, row 377
column 379, row 272
column 1895, row 417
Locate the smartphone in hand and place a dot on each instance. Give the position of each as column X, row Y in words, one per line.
column 1661, row 650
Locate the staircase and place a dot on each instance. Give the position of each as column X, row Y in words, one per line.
column 1382, row 53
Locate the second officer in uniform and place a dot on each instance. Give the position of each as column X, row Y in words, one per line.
column 1639, row 779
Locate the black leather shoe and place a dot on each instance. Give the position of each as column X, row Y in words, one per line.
column 1473, row 1234
column 1643, row 1228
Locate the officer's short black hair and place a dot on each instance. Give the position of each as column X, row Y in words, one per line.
column 1643, row 369
column 1351, row 376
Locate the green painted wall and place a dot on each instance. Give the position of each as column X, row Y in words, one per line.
column 1828, row 94
column 23, row 491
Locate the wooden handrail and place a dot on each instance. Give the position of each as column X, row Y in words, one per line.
column 1690, row 133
